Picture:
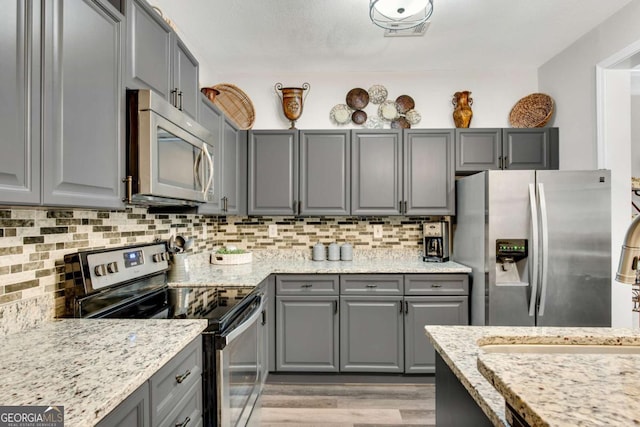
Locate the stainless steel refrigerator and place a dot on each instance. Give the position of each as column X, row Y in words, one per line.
column 539, row 244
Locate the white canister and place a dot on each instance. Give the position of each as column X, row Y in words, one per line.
column 346, row 252
column 319, row 252
column 334, row 252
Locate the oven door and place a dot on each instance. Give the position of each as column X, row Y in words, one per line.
column 239, row 377
column 172, row 163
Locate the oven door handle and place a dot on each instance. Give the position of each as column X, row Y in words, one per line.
column 226, row 338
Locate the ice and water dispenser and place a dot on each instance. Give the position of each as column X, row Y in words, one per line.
column 511, row 262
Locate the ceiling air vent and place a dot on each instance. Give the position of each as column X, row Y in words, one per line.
column 411, row 32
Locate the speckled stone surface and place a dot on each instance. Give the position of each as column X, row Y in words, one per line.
column 202, row 273
column 88, row 366
column 25, row 314
column 545, row 389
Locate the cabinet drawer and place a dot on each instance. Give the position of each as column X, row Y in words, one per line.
column 174, row 380
column 436, row 284
column 308, row 284
column 189, row 410
column 371, row 284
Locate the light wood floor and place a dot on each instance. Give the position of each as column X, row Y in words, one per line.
column 346, row 405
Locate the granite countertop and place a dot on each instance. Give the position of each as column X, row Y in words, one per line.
column 89, row 366
column 202, row 273
column 545, row 389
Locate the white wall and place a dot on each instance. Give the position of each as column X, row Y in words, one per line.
column 494, row 94
column 570, row 77
column 635, row 136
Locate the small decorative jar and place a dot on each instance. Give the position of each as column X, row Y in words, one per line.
column 334, row 252
column 346, row 252
column 319, row 253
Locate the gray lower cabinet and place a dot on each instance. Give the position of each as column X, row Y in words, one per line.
column 157, row 59
column 307, row 323
column 376, row 172
column 299, row 173
column 133, row 412
column 371, row 334
column 508, row 149
column 19, row 110
column 83, row 104
column 172, row 396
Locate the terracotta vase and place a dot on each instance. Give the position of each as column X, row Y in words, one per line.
column 462, row 112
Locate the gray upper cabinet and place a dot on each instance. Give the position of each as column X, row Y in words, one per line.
column 478, row 149
column 325, row 173
column 272, row 172
column 234, row 169
column 19, row 109
column 530, row 148
column 429, row 172
column 157, row 59
column 83, row 104
column 376, row 172
column 510, row 148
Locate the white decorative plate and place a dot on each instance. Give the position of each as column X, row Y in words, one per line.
column 413, row 117
column 377, row 94
column 387, row 110
column 340, row 114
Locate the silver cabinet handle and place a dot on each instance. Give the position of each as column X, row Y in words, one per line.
column 173, row 97
column 294, row 207
column 406, row 307
column 436, row 285
column 400, row 206
column 335, row 307
column 405, row 207
column 225, row 204
column 299, row 207
column 181, row 378
column 180, row 102
column 372, row 286
column 306, row 285
column 264, row 317
column 506, row 162
column 184, row 423
column 500, row 162
column 400, row 307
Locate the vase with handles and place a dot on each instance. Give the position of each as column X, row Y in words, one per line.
column 292, row 101
column 462, row 112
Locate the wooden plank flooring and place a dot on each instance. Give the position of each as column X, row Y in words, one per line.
column 345, row 405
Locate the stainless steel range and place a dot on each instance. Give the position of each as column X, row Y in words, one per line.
column 131, row 282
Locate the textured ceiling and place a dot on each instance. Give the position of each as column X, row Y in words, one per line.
column 337, row 35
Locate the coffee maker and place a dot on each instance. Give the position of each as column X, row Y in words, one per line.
column 436, row 241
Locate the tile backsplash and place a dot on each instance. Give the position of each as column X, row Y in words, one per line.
column 33, row 243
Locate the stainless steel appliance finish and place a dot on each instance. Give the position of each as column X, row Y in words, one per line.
column 131, row 282
column 435, row 241
column 169, row 155
column 563, row 278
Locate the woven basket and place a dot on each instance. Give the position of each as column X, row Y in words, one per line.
column 235, row 104
column 230, row 259
column 532, row 111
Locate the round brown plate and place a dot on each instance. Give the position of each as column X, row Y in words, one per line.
column 357, row 98
column 404, row 103
column 400, row 123
column 359, row 117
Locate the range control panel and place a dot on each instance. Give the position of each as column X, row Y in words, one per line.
column 112, row 267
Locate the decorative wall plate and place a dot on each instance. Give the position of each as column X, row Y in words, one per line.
column 387, row 110
column 357, row 98
column 340, row 114
column 377, row 94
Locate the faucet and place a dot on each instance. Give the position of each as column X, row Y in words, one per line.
column 628, row 268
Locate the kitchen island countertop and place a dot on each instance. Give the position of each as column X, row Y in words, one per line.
column 89, row 366
column 545, row 389
column 202, row 273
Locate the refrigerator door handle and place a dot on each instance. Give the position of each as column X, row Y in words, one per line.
column 534, row 250
column 545, row 247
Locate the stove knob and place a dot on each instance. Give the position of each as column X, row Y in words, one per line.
column 157, row 257
column 100, row 270
column 112, row 267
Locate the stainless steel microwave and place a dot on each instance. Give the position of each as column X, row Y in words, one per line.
column 169, row 155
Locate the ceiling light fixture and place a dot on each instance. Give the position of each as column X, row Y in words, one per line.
column 400, row 14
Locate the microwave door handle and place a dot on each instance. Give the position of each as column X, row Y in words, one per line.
column 196, row 169
column 210, row 179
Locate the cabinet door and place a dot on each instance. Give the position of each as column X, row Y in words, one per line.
column 234, row 169
column 133, row 412
column 272, row 174
column 376, row 172
column 478, row 149
column 420, row 355
column 20, row 94
column 149, row 41
column 185, row 78
column 371, row 334
column 307, row 334
column 325, row 173
column 212, row 119
column 83, row 104
column 429, row 176
column 529, row 148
